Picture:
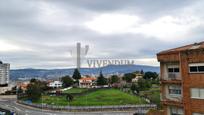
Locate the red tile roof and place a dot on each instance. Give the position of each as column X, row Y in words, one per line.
column 184, row 48
column 88, row 78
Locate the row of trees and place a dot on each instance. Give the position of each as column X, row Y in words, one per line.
column 101, row 80
column 68, row 81
column 37, row 87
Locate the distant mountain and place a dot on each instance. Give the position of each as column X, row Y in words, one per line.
column 54, row 73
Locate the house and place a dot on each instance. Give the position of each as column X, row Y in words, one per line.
column 182, row 80
column 55, row 84
column 23, row 85
column 87, row 82
column 137, row 77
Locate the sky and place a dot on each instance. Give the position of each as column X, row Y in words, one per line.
column 41, row 33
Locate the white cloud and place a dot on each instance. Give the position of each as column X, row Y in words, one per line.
column 112, row 23
column 168, row 28
column 165, row 28
column 8, row 47
column 147, row 61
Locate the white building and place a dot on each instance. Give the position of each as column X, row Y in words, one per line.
column 137, row 77
column 55, row 84
column 4, row 73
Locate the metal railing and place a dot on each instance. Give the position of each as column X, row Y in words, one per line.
column 174, row 76
column 141, row 107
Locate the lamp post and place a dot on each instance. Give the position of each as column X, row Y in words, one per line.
column 42, row 101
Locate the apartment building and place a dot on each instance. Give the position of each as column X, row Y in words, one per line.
column 182, row 80
column 4, row 73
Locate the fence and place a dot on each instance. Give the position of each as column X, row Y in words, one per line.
column 143, row 108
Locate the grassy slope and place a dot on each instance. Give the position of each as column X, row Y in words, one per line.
column 153, row 94
column 107, row 97
column 100, row 97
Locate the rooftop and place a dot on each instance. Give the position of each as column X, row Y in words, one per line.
column 199, row 45
column 88, row 78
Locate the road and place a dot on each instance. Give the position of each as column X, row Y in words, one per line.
column 25, row 110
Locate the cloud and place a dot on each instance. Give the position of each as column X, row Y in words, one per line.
column 40, row 34
column 7, row 47
column 167, row 28
column 112, row 23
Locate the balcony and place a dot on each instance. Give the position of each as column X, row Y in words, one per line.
column 172, row 102
column 172, row 78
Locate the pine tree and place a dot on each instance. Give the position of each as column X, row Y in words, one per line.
column 142, row 72
column 76, row 75
column 101, row 80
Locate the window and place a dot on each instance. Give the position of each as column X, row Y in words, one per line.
column 201, row 68
column 197, row 93
column 196, row 68
column 194, row 93
column 176, row 69
column 170, row 70
column 198, row 113
column 174, row 90
column 173, row 70
column 193, row 69
column 176, row 111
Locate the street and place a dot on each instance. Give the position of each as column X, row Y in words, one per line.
column 11, row 104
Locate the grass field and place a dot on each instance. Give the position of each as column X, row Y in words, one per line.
column 99, row 97
column 153, row 94
column 75, row 90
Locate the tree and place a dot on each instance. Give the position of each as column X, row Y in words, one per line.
column 142, row 72
column 144, row 84
column 33, row 80
column 34, row 92
column 135, row 87
column 35, row 89
column 150, row 75
column 69, row 97
column 101, row 80
column 19, row 90
column 41, row 84
column 76, row 75
column 114, row 79
column 128, row 77
column 67, row 81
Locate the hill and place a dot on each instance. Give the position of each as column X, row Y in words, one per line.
column 53, row 73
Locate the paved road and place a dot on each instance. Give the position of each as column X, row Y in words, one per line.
column 24, row 110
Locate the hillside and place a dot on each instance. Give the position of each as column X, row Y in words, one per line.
column 111, row 69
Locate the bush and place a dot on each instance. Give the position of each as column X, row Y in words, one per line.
column 69, row 97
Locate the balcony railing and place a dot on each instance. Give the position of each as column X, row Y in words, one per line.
column 173, row 97
column 174, row 76
column 172, row 102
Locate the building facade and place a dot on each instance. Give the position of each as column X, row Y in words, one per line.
column 182, row 80
column 55, row 84
column 87, row 82
column 4, row 73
